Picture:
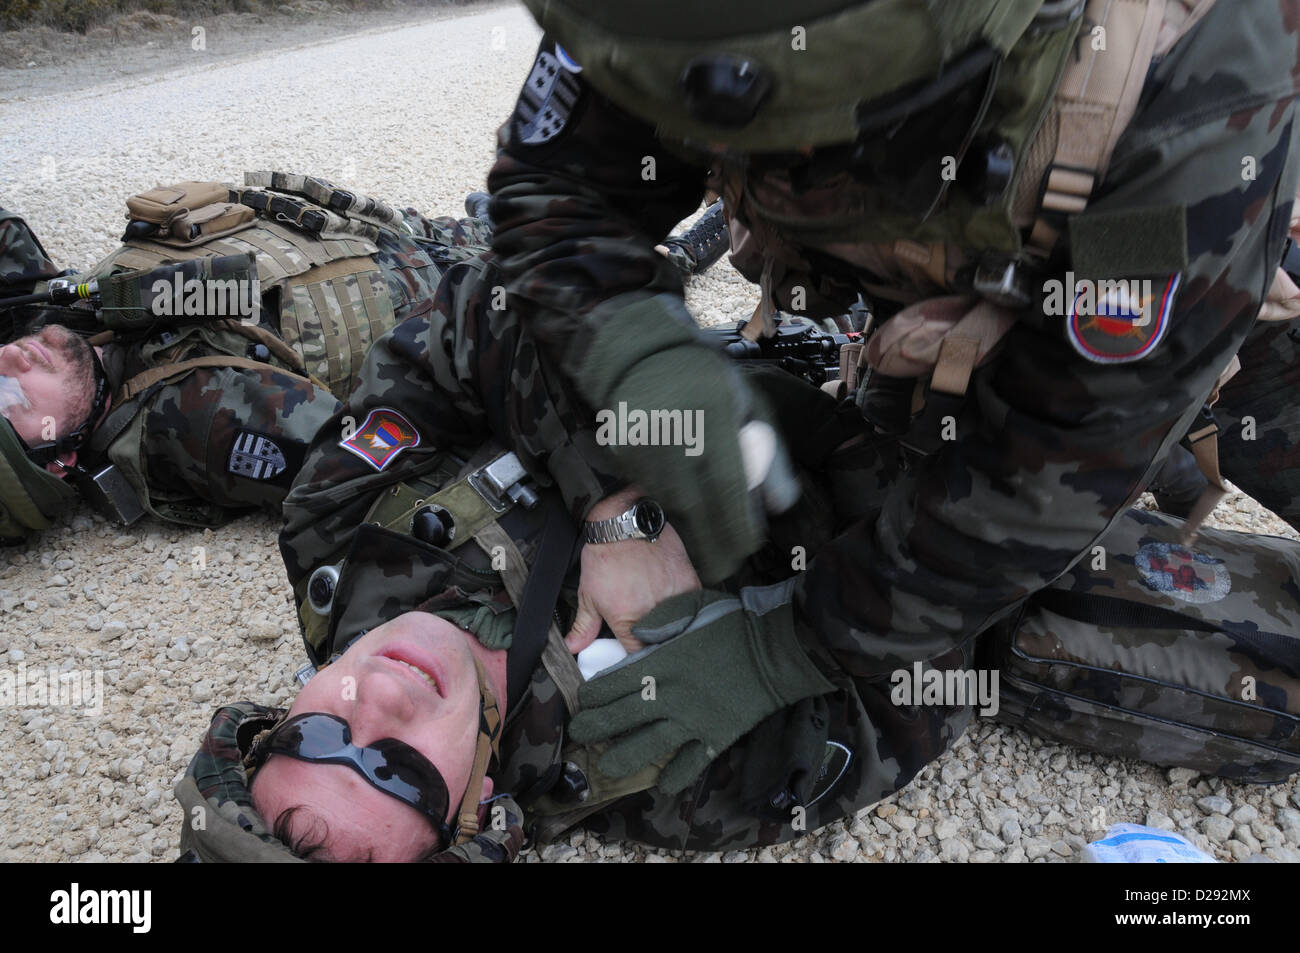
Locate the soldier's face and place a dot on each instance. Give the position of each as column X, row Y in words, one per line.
column 375, row 687
column 54, row 370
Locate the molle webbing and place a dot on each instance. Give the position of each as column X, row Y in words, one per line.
column 332, row 314
column 302, row 215
column 1094, row 103
column 281, row 252
column 334, row 300
column 346, row 203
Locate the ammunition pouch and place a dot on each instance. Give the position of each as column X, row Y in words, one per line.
column 311, row 250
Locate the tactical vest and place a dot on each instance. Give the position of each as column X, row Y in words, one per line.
column 1052, row 114
column 314, row 246
column 322, row 296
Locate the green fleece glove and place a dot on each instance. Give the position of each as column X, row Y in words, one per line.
column 715, row 666
column 726, row 466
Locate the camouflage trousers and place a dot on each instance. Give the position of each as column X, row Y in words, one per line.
column 1259, row 419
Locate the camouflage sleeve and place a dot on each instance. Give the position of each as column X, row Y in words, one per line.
column 1049, row 447
column 23, row 261
column 1259, row 415
column 448, row 379
column 231, row 437
column 581, row 193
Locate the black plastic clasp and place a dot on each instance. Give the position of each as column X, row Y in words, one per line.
column 725, row 90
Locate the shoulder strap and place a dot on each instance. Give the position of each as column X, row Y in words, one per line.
column 1095, row 101
column 533, row 592
column 536, row 627
column 146, row 379
column 273, row 344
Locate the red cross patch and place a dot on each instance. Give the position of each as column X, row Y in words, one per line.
column 384, row 435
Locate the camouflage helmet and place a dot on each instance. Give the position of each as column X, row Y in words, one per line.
column 30, row 496
column 23, row 260
column 776, row 76
column 222, row 826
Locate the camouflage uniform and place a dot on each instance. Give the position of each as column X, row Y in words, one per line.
column 23, row 261
column 215, row 441
column 1262, row 455
column 464, row 374
column 1050, row 448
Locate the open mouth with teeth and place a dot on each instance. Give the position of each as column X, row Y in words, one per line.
column 427, row 676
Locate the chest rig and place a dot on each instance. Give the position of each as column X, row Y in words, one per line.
column 320, row 289
column 1042, row 121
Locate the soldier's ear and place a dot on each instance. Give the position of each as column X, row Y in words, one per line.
column 63, row 464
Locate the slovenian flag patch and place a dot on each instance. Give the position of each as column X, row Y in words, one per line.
column 384, row 435
column 1114, row 322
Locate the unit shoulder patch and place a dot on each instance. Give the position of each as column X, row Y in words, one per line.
column 1115, row 322
column 381, row 437
column 259, row 456
column 547, row 99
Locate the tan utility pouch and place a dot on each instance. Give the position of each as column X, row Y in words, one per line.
column 208, row 222
column 163, row 203
column 944, row 338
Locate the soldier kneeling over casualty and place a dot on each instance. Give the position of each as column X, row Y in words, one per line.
column 445, row 717
column 196, row 411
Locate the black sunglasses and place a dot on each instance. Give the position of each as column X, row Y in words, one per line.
column 392, row 766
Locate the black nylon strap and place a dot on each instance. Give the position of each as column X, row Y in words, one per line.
column 537, row 603
column 1111, row 611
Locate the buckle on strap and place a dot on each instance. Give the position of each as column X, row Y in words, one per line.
column 501, row 483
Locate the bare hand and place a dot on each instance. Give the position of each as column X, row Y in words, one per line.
column 623, row 581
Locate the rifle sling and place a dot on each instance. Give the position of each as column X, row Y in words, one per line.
column 537, row 604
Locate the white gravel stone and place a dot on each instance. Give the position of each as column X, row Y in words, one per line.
column 983, row 840
column 946, row 828
column 1214, row 804
column 1244, row 814
column 843, row 848
column 1217, row 828
column 1160, row 820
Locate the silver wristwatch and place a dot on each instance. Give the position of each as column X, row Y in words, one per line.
column 644, row 520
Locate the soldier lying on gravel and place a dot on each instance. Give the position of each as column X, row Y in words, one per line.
column 407, row 578
column 196, row 421
column 435, row 573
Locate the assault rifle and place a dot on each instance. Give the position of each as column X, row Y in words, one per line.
column 803, row 349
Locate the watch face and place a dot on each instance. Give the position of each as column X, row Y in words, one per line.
column 649, row 517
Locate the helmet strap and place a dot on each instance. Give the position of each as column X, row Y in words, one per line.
column 489, row 736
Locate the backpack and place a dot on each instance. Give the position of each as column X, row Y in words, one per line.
column 1181, row 655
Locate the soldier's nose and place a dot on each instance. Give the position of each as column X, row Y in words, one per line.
column 381, row 707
